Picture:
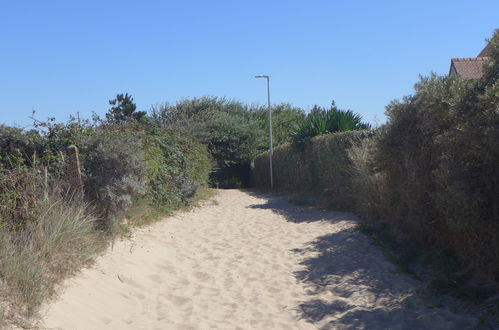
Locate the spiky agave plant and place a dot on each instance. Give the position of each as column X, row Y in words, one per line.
column 323, row 121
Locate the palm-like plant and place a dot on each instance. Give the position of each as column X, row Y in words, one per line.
column 323, row 121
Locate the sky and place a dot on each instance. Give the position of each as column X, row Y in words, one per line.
column 67, row 57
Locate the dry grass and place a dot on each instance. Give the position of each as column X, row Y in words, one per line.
column 33, row 260
column 61, row 241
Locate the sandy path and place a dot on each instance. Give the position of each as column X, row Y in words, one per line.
column 246, row 263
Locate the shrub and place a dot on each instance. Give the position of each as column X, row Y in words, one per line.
column 20, row 190
column 285, row 120
column 233, row 132
column 177, row 167
column 432, row 173
column 114, row 170
column 47, row 231
column 321, row 166
column 322, row 121
column 19, row 148
column 227, row 128
column 368, row 182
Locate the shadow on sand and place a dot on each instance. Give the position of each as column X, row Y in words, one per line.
column 349, row 281
column 289, row 208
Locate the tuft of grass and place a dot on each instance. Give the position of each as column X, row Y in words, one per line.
column 35, row 258
column 205, row 193
column 141, row 214
column 65, row 237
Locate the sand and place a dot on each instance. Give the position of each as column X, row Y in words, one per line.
column 246, row 262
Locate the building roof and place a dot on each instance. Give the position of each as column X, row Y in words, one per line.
column 469, row 68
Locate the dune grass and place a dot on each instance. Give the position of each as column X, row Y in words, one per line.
column 35, row 258
column 65, row 238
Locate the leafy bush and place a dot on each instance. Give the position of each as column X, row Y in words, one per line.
column 430, row 174
column 20, row 190
column 285, row 120
column 322, row 121
column 19, row 148
column 114, row 170
column 227, row 128
column 322, row 166
column 439, row 154
column 177, row 167
column 233, row 132
column 368, row 182
column 46, row 231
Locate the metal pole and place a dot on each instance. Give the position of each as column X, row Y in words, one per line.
column 270, row 129
column 271, row 151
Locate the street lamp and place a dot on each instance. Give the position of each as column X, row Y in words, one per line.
column 270, row 128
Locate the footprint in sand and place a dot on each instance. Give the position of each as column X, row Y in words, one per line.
column 178, row 300
column 245, row 263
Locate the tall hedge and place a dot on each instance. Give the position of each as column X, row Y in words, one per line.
column 431, row 173
column 321, row 165
column 439, row 159
column 434, row 169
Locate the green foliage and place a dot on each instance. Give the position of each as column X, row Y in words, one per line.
column 226, row 127
column 115, row 170
column 285, row 120
column 116, row 161
column 322, row 121
column 177, row 167
column 430, row 174
column 322, row 166
column 439, row 155
column 45, row 231
column 19, row 148
column 233, row 132
column 367, row 181
column 20, row 191
column 124, row 110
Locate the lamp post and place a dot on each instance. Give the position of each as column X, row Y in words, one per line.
column 270, row 129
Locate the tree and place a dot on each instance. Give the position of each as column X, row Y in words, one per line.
column 123, row 109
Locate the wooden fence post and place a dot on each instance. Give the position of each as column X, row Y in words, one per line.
column 75, row 180
column 45, row 182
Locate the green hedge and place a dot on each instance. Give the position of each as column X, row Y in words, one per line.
column 435, row 170
column 120, row 165
column 431, row 173
column 177, row 167
column 321, row 165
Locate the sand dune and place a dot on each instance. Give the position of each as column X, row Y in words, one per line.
column 246, row 262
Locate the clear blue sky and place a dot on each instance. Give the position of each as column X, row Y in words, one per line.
column 63, row 57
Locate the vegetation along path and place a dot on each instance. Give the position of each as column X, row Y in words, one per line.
column 246, row 261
